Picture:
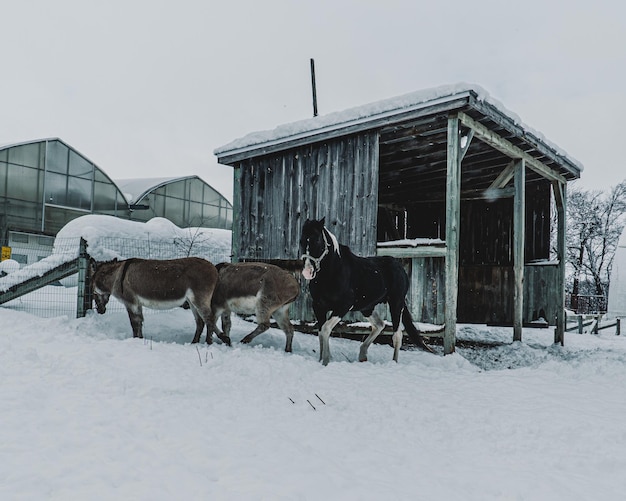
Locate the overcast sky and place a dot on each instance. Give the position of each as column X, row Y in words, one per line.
column 151, row 88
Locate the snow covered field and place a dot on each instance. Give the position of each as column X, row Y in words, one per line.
column 90, row 413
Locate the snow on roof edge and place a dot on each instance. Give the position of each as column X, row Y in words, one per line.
column 340, row 119
column 380, row 109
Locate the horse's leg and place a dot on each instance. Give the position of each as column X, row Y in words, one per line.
column 135, row 314
column 397, row 342
column 324, row 334
column 282, row 319
column 377, row 326
column 396, row 308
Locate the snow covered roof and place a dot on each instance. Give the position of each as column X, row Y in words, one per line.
column 461, row 96
column 136, row 188
column 351, row 116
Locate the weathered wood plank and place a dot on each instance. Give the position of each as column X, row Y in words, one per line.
column 412, row 252
column 560, row 190
column 519, row 238
column 453, row 218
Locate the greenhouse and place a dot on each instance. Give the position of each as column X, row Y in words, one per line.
column 46, row 183
column 186, row 201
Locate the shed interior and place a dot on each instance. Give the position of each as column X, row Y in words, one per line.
column 412, row 205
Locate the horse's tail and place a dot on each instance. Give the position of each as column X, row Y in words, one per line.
column 414, row 335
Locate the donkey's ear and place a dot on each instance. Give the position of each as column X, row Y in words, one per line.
column 323, row 221
column 93, row 265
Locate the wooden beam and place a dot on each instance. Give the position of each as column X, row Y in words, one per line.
column 506, row 147
column 470, row 136
column 453, row 222
column 519, row 230
column 412, row 252
column 560, row 197
column 504, row 177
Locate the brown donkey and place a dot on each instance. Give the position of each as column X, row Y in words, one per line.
column 158, row 285
column 255, row 288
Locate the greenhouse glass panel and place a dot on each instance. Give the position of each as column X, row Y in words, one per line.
column 80, row 167
column 211, row 215
column 57, row 217
column 175, row 212
column 23, row 183
column 57, row 157
column 3, row 178
column 26, row 215
column 105, row 197
column 176, row 189
column 56, row 189
column 196, row 190
column 158, row 205
column 25, row 155
column 195, row 214
column 211, row 196
column 100, row 177
column 79, row 193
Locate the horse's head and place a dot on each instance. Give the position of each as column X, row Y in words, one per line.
column 315, row 243
column 99, row 273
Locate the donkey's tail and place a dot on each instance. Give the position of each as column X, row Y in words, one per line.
column 412, row 331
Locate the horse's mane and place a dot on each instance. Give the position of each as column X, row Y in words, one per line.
column 333, row 239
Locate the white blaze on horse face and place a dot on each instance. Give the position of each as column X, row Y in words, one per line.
column 308, row 272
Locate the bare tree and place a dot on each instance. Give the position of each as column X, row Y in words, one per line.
column 595, row 221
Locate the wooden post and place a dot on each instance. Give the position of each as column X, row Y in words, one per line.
column 313, row 87
column 519, row 231
column 83, row 300
column 453, row 222
column 618, row 326
column 237, row 209
column 560, row 197
column 580, row 324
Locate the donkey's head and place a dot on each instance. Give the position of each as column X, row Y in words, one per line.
column 100, row 277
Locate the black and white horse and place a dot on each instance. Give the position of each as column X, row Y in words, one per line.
column 340, row 281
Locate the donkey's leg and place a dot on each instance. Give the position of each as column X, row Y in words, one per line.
column 199, row 326
column 135, row 314
column 377, row 326
column 282, row 319
column 204, row 310
column 262, row 319
column 324, row 334
column 226, row 323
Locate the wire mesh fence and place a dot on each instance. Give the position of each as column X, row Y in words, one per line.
column 60, row 297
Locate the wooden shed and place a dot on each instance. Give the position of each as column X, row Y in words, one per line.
column 446, row 179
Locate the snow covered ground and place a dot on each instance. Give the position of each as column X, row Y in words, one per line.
column 90, row 413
